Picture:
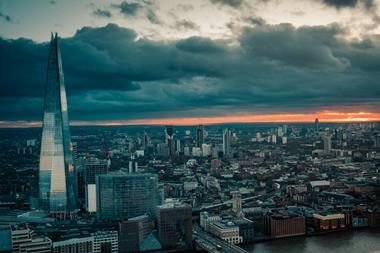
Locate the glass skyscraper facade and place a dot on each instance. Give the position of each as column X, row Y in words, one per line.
column 56, row 170
column 123, row 195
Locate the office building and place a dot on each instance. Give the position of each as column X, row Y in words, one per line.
column 106, row 242
column 133, row 232
column 199, row 136
column 121, row 195
column 329, row 221
column 327, row 142
column 93, row 167
column 206, row 149
column 56, row 171
column 24, row 241
column 206, row 219
column 237, row 209
column 170, row 140
column 226, row 230
column 316, row 125
column 226, row 142
column 97, row 242
column 282, row 223
column 74, row 245
column 174, row 224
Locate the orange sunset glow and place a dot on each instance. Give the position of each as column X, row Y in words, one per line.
column 325, row 116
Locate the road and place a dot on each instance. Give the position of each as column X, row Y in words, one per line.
column 212, row 244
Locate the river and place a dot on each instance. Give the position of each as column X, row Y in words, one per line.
column 360, row 241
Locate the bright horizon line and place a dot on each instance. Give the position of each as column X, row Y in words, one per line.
column 324, row 117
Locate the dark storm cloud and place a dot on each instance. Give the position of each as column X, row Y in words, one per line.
column 186, row 25
column 102, row 13
column 341, row 3
column 5, row 17
column 232, row 3
column 127, row 8
column 152, row 17
column 368, row 4
column 112, row 74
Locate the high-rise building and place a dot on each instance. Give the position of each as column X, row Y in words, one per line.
column 133, row 232
column 170, row 140
column 200, row 136
column 174, row 225
column 93, row 167
column 226, row 142
column 327, row 142
column 316, row 124
column 237, row 208
column 377, row 141
column 121, row 195
column 56, row 171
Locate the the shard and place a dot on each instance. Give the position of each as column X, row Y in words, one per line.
column 56, row 171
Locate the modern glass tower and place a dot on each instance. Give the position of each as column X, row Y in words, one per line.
column 121, row 195
column 56, row 173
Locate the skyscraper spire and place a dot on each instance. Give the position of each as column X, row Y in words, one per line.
column 56, row 172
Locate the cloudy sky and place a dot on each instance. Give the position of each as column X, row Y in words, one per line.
column 189, row 62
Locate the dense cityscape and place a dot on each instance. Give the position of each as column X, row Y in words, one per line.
column 150, row 188
column 154, row 188
column 301, row 183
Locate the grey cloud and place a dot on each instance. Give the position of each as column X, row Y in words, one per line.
column 341, row 3
column 127, row 8
column 111, row 74
column 152, row 17
column 102, row 13
column 231, row 3
column 6, row 17
column 186, row 25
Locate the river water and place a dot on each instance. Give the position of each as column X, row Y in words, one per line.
column 360, row 241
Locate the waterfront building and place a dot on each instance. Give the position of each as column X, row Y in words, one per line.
column 227, row 231
column 330, row 221
column 282, row 223
column 206, row 219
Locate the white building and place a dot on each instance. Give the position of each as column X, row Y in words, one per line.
column 207, row 219
column 108, row 239
column 226, row 231
column 196, row 151
column 206, row 149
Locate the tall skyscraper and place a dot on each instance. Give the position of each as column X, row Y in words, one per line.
column 170, row 140
column 200, row 136
column 327, row 142
column 56, row 170
column 226, row 142
column 121, row 195
column 316, row 125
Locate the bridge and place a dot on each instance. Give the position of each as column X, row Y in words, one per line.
column 207, row 242
column 228, row 202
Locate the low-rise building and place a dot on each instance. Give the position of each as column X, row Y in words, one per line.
column 227, row 231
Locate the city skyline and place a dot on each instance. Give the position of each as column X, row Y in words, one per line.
column 136, row 63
